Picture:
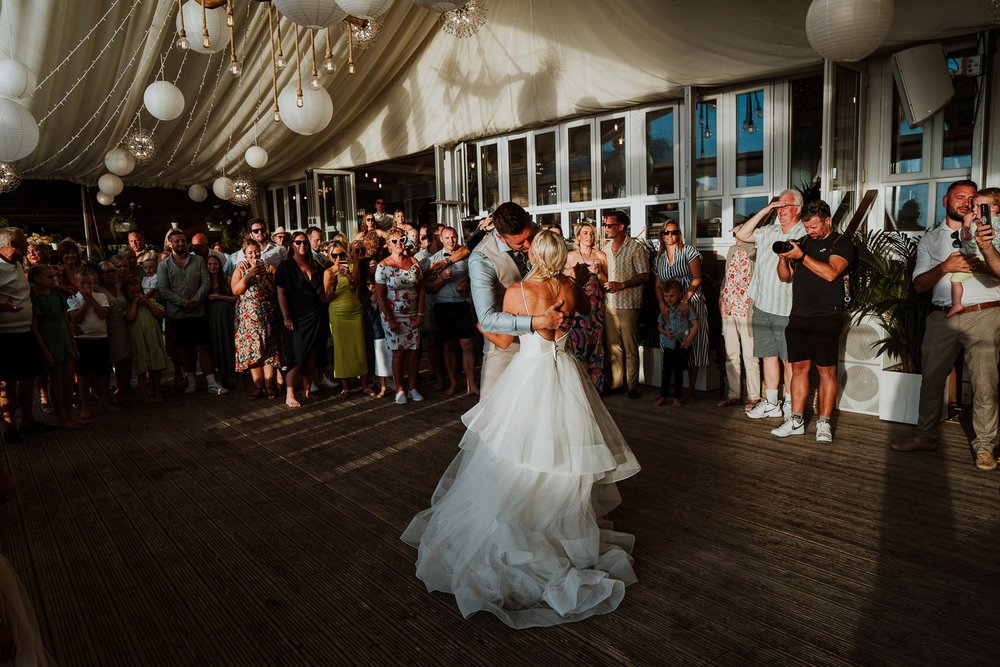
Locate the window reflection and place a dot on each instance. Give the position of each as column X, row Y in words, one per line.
column 660, row 152
column 959, row 122
column 579, row 163
column 905, row 207
column 657, row 214
column 472, row 184
column 750, row 139
column 709, row 218
column 491, row 176
column 907, row 142
column 613, row 159
column 545, row 169
column 707, row 160
column 517, row 150
column 746, row 207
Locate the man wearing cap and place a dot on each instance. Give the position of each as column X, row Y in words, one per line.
column 270, row 253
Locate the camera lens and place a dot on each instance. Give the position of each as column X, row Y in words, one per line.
column 780, row 247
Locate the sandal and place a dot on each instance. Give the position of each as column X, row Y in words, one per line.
column 257, row 393
column 272, row 392
column 382, row 392
column 728, row 403
column 344, row 393
column 370, row 393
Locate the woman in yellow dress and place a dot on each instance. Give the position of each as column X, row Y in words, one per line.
column 340, row 284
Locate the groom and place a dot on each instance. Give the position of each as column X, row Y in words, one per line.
column 500, row 260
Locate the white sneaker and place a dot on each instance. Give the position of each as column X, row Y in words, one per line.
column 764, row 409
column 400, row 398
column 786, row 409
column 191, row 387
column 824, row 433
column 787, row 428
column 415, row 396
column 217, row 390
column 327, row 383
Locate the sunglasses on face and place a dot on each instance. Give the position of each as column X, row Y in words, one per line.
column 301, row 242
column 259, row 230
column 337, row 255
column 396, row 241
column 380, row 202
column 670, row 232
column 369, row 219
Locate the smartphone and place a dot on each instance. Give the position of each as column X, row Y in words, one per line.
column 984, row 212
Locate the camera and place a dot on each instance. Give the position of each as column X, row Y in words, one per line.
column 984, row 213
column 780, row 247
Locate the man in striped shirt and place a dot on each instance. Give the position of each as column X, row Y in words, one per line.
column 772, row 298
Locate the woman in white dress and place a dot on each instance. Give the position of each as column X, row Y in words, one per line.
column 516, row 525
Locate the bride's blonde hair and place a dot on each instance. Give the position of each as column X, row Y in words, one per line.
column 550, row 252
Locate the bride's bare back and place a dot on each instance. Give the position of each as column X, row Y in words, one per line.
column 532, row 297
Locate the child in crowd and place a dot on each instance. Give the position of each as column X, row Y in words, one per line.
column 676, row 335
column 88, row 311
column 52, row 330
column 965, row 237
column 148, row 262
column 149, row 358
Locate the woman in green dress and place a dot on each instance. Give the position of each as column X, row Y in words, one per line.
column 340, row 285
column 149, row 358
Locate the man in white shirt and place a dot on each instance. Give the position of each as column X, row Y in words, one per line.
column 976, row 329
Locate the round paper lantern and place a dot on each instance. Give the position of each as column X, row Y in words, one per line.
column 440, row 6
column 119, row 162
column 105, row 199
column 365, row 9
column 314, row 114
column 215, row 20
column 18, row 131
column 256, row 157
column 848, row 30
column 311, row 13
column 16, row 80
column 223, row 188
column 197, row 193
column 110, row 184
column 163, row 100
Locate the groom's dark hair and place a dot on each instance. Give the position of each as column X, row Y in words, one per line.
column 509, row 218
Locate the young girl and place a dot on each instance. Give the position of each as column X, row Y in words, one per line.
column 149, row 358
column 967, row 241
column 677, row 332
column 88, row 311
column 149, row 275
column 52, row 331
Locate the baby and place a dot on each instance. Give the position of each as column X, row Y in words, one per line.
column 967, row 242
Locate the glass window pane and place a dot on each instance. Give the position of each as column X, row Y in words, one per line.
column 905, row 207
column 488, row 155
column 959, row 123
column 846, row 121
column 709, row 218
column 745, row 207
column 807, row 128
column 589, row 215
column 613, row 184
column 657, row 214
column 660, row 152
column 472, row 182
column 579, row 163
column 750, row 139
column 543, row 219
column 517, row 151
column 907, row 142
column 707, row 162
column 545, row 169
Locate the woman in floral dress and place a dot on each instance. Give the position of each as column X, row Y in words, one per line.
column 401, row 300
column 257, row 335
column 586, row 337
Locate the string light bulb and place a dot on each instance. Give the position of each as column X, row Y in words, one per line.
column 328, row 57
column 182, row 43
column 234, row 67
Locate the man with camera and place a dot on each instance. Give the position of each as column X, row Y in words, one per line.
column 814, row 265
column 772, row 298
column 976, row 328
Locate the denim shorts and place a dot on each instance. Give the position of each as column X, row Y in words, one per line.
column 769, row 335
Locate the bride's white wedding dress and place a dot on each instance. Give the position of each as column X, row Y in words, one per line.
column 516, row 523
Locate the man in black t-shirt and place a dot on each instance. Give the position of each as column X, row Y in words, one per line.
column 815, row 266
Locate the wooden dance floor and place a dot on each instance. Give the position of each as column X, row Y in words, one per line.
column 218, row 531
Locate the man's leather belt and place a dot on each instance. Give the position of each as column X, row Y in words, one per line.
column 971, row 309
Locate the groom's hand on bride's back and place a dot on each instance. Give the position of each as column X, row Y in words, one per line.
column 552, row 318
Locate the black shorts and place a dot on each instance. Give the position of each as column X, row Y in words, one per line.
column 20, row 357
column 815, row 339
column 454, row 321
column 95, row 356
column 189, row 331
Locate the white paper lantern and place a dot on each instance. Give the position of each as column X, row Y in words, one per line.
column 365, row 9
column 16, row 80
column 163, row 100
column 105, row 199
column 440, row 6
column 223, row 188
column 110, row 184
column 119, row 162
column 314, row 114
column 311, row 13
column 848, row 30
column 197, row 193
column 256, row 157
column 18, row 131
column 215, row 19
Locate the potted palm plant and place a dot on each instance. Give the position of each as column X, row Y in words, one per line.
column 882, row 292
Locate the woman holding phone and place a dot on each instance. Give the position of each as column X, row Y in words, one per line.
column 341, row 282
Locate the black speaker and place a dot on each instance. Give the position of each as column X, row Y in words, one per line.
column 923, row 81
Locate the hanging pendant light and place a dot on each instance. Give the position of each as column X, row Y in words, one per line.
column 848, row 30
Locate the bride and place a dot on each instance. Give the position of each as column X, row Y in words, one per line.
column 516, row 525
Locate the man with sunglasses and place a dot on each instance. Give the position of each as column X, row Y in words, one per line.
column 628, row 271
column 814, row 267
column 976, row 329
column 500, row 260
column 383, row 220
column 270, row 253
column 772, row 298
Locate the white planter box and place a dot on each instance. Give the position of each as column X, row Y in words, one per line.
column 649, row 371
column 899, row 397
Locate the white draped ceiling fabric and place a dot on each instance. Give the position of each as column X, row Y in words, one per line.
column 533, row 63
